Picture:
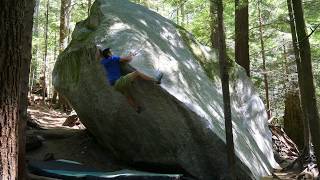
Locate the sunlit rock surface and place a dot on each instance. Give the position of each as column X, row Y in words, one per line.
column 183, row 123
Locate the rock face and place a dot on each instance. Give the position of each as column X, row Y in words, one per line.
column 183, row 123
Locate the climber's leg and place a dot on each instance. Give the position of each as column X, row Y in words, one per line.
column 123, row 85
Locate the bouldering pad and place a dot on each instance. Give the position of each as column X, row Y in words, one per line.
column 66, row 169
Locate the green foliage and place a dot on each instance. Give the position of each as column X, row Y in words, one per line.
column 197, row 25
column 78, row 13
column 276, row 36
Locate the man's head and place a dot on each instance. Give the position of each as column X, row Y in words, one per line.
column 107, row 52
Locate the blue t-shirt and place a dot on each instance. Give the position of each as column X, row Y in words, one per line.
column 112, row 67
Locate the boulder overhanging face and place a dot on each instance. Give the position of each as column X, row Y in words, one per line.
column 183, row 123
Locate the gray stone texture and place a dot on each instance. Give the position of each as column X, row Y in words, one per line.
column 182, row 124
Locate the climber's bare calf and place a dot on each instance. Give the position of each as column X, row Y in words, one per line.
column 123, row 85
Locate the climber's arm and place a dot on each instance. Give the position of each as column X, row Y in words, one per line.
column 127, row 58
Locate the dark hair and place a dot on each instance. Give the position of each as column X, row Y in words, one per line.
column 106, row 52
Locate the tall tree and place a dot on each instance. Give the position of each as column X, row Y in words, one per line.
column 242, row 34
column 89, row 6
column 182, row 12
column 55, row 46
column 177, row 14
column 35, row 50
column 43, row 79
column 265, row 76
column 65, row 16
column 285, row 66
column 307, row 88
column 293, row 118
column 36, row 18
column 36, row 26
column 25, row 70
column 65, row 13
column 213, row 25
column 306, row 126
column 225, row 88
column 15, row 56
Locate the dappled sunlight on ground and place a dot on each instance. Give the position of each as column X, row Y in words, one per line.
column 48, row 118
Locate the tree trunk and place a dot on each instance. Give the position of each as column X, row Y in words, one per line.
column 285, row 68
column 54, row 92
column 293, row 32
column 306, row 149
column 307, row 89
column 32, row 80
column 25, row 70
column 36, row 18
column 69, row 29
column 16, row 31
column 265, row 76
column 182, row 12
column 64, row 23
column 44, row 73
column 55, row 47
column 148, row 4
column 89, row 6
column 242, row 34
column 293, row 118
column 177, row 15
column 35, row 50
column 213, row 25
column 225, row 89
column 63, row 41
column 36, row 27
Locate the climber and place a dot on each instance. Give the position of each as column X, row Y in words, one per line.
column 120, row 83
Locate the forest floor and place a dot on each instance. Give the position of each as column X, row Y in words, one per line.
column 63, row 142
column 76, row 144
column 286, row 153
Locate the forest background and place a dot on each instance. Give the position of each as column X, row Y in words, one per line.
column 194, row 15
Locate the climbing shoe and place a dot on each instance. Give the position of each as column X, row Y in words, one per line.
column 159, row 77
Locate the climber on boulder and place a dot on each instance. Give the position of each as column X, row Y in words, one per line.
column 120, row 83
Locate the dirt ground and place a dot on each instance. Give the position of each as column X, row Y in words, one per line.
column 70, row 143
column 76, row 144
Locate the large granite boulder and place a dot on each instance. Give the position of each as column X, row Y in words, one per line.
column 183, row 124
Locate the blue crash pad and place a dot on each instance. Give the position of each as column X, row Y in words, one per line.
column 65, row 169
